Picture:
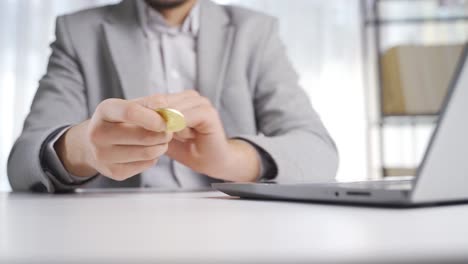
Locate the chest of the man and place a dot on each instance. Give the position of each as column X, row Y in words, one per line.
column 155, row 69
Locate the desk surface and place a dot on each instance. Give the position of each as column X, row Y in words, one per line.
column 209, row 227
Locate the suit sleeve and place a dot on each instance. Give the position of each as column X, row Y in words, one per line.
column 59, row 102
column 291, row 132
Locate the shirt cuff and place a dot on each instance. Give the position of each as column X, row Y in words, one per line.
column 268, row 170
column 53, row 163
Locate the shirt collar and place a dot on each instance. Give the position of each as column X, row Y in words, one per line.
column 152, row 21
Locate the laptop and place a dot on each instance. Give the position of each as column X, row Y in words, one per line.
column 442, row 176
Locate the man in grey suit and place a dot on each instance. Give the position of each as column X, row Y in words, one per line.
column 92, row 122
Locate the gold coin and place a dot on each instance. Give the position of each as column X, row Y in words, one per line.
column 175, row 120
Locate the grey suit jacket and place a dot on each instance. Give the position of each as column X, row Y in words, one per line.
column 242, row 68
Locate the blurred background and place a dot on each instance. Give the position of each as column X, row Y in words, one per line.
column 376, row 71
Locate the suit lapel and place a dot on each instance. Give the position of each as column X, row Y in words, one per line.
column 213, row 47
column 129, row 54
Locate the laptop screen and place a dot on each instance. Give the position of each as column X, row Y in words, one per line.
column 443, row 173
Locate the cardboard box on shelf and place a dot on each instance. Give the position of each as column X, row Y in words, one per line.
column 415, row 78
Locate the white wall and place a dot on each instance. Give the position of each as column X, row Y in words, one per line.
column 324, row 42
column 322, row 37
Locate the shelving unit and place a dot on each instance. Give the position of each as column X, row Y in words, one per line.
column 382, row 20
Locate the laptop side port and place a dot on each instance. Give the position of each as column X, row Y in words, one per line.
column 358, row 193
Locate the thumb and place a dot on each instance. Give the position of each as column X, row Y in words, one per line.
column 179, row 151
column 153, row 101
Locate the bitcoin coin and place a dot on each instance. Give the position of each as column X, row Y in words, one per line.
column 175, row 120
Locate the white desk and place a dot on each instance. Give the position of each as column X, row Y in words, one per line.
column 211, row 228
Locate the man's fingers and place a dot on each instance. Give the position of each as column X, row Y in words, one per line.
column 127, row 134
column 165, row 100
column 118, row 110
column 140, row 111
column 199, row 114
column 123, row 171
column 190, row 103
column 153, row 101
column 177, row 98
column 126, row 154
column 185, row 134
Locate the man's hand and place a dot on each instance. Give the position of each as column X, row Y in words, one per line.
column 203, row 145
column 122, row 139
